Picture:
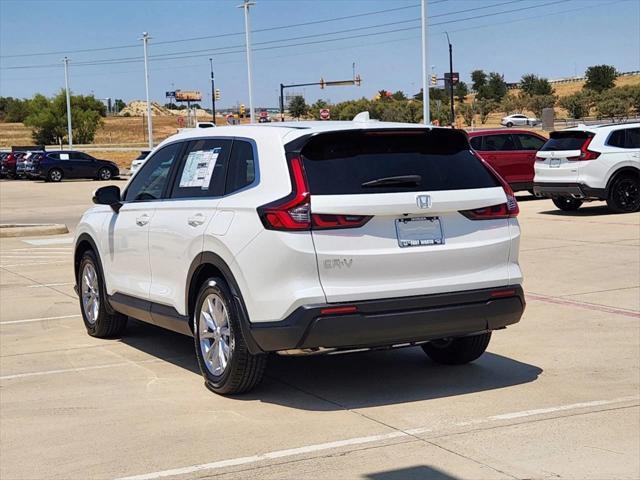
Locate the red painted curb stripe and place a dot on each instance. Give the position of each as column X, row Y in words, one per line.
column 586, row 306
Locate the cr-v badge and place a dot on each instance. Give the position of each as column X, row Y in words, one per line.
column 423, row 201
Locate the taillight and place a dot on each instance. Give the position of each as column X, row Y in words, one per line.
column 293, row 212
column 585, row 153
column 504, row 210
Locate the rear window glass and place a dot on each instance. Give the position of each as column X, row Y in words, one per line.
column 566, row 141
column 388, row 161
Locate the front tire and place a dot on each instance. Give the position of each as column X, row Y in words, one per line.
column 221, row 350
column 457, row 351
column 104, row 174
column 624, row 194
column 567, row 204
column 509, row 124
column 97, row 319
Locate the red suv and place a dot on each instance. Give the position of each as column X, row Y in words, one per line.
column 511, row 153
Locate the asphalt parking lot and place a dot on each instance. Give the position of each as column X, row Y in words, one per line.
column 556, row 396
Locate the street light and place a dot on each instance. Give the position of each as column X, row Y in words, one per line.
column 145, row 39
column 213, row 93
column 453, row 112
column 425, row 87
column 245, row 5
column 66, row 86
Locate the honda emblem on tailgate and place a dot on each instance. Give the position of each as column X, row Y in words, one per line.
column 423, row 201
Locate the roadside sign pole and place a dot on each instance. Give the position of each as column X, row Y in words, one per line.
column 425, row 53
column 213, row 93
column 281, row 102
column 145, row 40
column 66, row 86
column 247, row 32
column 453, row 111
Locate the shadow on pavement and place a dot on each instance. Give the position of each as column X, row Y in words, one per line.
column 420, row 472
column 581, row 212
column 355, row 380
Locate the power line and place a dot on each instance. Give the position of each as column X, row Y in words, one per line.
column 205, row 37
column 203, row 52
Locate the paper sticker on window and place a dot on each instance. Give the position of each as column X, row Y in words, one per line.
column 64, row 156
column 198, row 168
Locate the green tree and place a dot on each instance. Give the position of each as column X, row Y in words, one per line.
column 399, row 95
column 461, row 90
column 610, row 106
column 467, row 112
column 497, row 86
column 14, row 109
column 512, row 103
column 600, row 77
column 537, row 103
column 298, row 107
column 577, row 104
column 314, row 110
column 531, row 84
column 119, row 104
column 478, row 80
column 484, row 107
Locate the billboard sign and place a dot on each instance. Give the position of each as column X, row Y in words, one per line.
column 188, row 96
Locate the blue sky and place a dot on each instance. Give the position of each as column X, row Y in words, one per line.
column 555, row 38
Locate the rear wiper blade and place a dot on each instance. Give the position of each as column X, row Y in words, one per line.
column 398, row 181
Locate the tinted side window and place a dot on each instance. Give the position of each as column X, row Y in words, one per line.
column 633, row 138
column 242, row 170
column 496, row 143
column 529, row 142
column 476, row 143
column 202, row 170
column 149, row 183
column 617, row 139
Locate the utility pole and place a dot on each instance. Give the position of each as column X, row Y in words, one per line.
column 247, row 30
column 213, row 93
column 425, row 53
column 453, row 111
column 145, row 39
column 66, row 86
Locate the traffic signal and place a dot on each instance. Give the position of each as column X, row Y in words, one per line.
column 434, row 79
column 217, row 94
column 322, row 83
column 358, row 80
column 242, row 110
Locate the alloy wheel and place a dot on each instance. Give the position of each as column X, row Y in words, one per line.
column 626, row 194
column 216, row 341
column 90, row 293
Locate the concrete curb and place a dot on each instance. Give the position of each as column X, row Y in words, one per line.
column 30, row 230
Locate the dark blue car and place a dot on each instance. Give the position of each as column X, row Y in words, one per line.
column 53, row 166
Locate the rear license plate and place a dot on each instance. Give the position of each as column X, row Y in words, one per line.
column 419, row 231
column 555, row 162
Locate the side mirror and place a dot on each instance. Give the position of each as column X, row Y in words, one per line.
column 109, row 195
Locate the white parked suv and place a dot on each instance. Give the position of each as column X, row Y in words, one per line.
column 302, row 238
column 599, row 162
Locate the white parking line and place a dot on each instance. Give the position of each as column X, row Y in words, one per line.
column 358, row 441
column 45, row 285
column 49, row 241
column 80, row 369
column 43, row 319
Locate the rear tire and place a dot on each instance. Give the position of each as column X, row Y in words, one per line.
column 92, row 294
column 457, row 351
column 624, row 194
column 54, row 175
column 567, row 204
column 224, row 360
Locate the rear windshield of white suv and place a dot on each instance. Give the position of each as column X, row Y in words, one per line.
column 565, row 141
column 388, row 161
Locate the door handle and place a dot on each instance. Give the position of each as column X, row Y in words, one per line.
column 142, row 220
column 196, row 220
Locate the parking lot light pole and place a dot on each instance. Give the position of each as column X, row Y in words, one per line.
column 247, row 31
column 453, row 112
column 213, row 93
column 145, row 39
column 66, row 86
column 425, row 53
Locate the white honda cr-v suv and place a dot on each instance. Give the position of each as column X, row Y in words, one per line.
column 305, row 238
column 598, row 162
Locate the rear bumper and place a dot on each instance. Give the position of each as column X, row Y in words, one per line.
column 394, row 321
column 576, row 190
